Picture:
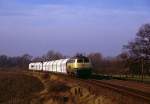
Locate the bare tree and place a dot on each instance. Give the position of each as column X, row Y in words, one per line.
column 3, row 60
column 139, row 50
column 24, row 60
column 52, row 55
column 96, row 59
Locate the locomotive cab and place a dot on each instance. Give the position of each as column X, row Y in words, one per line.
column 79, row 66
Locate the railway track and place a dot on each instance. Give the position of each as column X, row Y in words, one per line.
column 121, row 89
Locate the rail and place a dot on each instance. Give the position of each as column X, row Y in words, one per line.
column 122, row 89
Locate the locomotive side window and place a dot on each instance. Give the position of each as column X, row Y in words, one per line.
column 86, row 60
column 71, row 61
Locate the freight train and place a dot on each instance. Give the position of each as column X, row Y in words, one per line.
column 75, row 66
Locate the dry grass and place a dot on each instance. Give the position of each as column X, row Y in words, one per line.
column 38, row 88
column 57, row 87
column 18, row 88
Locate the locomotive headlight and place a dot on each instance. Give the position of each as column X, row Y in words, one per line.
column 75, row 65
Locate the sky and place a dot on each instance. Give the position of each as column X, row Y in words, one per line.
column 70, row 26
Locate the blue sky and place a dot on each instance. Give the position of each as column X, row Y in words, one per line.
column 67, row 26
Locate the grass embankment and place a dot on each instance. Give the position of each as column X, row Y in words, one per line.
column 38, row 88
column 56, row 90
column 18, row 88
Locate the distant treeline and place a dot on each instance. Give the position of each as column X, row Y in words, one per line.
column 18, row 61
column 100, row 64
column 135, row 59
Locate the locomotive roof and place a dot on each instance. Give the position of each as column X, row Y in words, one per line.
column 79, row 57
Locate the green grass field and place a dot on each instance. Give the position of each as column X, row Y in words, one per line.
column 146, row 78
column 138, row 78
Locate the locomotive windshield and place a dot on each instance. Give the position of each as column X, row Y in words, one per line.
column 80, row 61
column 83, row 60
